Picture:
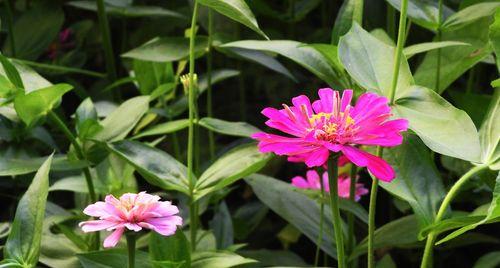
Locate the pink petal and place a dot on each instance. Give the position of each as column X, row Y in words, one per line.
column 376, row 165
column 97, row 225
column 346, row 99
column 313, row 179
column 299, row 182
column 113, row 238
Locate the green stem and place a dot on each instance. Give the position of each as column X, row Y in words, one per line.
column 351, row 238
column 61, row 68
column 321, row 220
column 371, row 223
column 10, row 26
column 211, row 140
column 131, row 250
column 334, row 205
column 431, row 238
column 191, row 94
column 470, row 80
column 399, row 50
column 106, row 38
column 358, row 12
column 438, row 65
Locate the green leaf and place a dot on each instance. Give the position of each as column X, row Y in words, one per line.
column 77, row 184
column 31, row 41
column 128, row 10
column 469, row 14
column 493, row 213
column 410, row 51
column 350, row 11
column 495, row 83
column 330, row 52
column 204, row 259
column 11, row 72
column 300, row 53
column 23, row 243
column 401, row 232
column 488, row 133
column 425, row 109
column 112, row 258
column 472, row 103
column 236, row 164
column 7, row 89
column 274, row 258
column 386, row 262
column 122, row 120
column 10, row 166
column 237, row 10
column 412, row 160
column 164, row 128
column 239, row 129
column 455, row 60
column 222, row 226
column 423, row 12
column 167, row 49
column 175, row 249
column 449, row 224
column 489, row 260
column 22, row 76
column 157, row 167
column 150, row 75
column 369, row 62
column 296, row 208
column 38, row 103
column 494, row 36
column 86, row 118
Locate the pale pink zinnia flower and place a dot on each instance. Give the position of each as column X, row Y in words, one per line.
column 344, row 183
column 134, row 212
column 332, row 124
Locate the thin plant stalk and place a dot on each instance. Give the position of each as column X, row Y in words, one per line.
column 10, row 26
column 392, row 94
column 211, row 140
column 321, row 222
column 106, row 38
column 334, row 205
column 431, row 238
column 191, row 95
column 131, row 250
column 351, row 239
column 438, row 65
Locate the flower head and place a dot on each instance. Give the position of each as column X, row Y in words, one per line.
column 134, row 212
column 332, row 124
column 312, row 181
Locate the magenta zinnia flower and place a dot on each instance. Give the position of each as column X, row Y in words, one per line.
column 312, row 181
column 134, row 212
column 332, row 124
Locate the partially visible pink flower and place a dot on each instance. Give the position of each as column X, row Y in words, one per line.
column 332, row 124
column 312, row 181
column 134, row 212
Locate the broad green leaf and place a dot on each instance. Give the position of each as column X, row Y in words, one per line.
column 175, row 248
column 369, row 62
column 112, row 258
column 31, row 41
column 495, row 83
column 22, row 76
column 237, row 10
column 449, row 224
column 7, row 89
column 423, row 12
column 223, row 259
column 489, row 132
column 493, row 213
column 150, row 75
column 167, row 49
column 455, row 60
column 456, row 135
column 296, row 208
column 472, row 103
column 23, row 243
column 222, row 226
column 164, row 128
column 412, row 160
column 494, row 36
column 489, row 260
column 77, row 184
column 240, row 129
column 18, row 166
column 330, row 52
column 397, row 233
column 38, row 103
column 469, row 15
column 410, row 51
column 274, row 258
column 122, row 120
column 129, row 10
column 11, row 72
column 157, row 167
column 350, row 11
column 300, row 53
column 87, row 123
column 236, row 164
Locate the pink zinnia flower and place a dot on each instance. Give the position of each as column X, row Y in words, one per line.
column 332, row 124
column 312, row 181
column 134, row 212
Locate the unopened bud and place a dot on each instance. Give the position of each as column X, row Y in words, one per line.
column 185, row 83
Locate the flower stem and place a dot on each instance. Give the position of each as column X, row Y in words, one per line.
column 191, row 95
column 211, row 141
column 131, row 250
column 321, row 220
column 10, row 26
column 351, row 239
column 399, row 49
column 438, row 64
column 427, row 257
column 334, row 204
column 106, row 38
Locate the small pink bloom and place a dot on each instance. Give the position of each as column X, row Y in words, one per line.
column 344, row 183
column 134, row 212
column 332, row 124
